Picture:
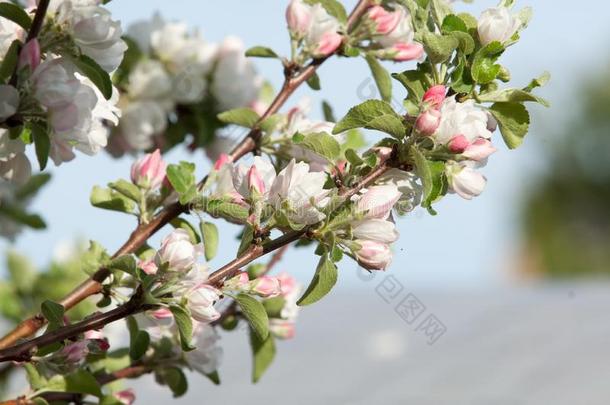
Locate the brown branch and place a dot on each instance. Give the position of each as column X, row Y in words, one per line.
column 141, row 234
column 41, row 13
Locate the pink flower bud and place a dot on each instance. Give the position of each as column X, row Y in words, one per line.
column 328, row 44
column 373, row 255
column 255, row 181
column 239, row 282
column 492, row 124
column 287, row 283
column 126, row 397
column 282, row 329
column 266, row 286
column 178, row 252
column 148, row 266
column 458, row 144
column 383, row 152
column 298, row 17
column 385, row 21
column 98, row 337
column 407, row 51
column 161, row 313
column 479, row 150
column 201, row 303
column 149, row 170
column 435, row 95
column 377, row 201
column 428, row 122
column 465, row 181
column 30, row 55
column 75, row 352
column 223, row 159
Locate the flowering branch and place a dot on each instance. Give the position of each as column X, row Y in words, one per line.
column 144, row 231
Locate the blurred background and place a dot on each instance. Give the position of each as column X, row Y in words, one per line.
column 501, row 300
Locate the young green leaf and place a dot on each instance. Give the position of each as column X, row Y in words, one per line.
column 209, row 232
column 416, row 82
column 95, row 73
column 432, row 174
column 382, row 78
column 439, row 47
column 327, row 111
column 42, row 143
column 185, row 326
column 323, row 281
column 182, row 179
column 273, row 306
column 128, row 189
column 139, row 345
column 246, row 239
column 261, row 52
column 320, row 143
column 513, row 120
column 314, row 82
column 484, row 69
column 176, row 381
column 9, row 63
column 512, row 96
column 53, row 312
column 255, row 313
column 16, row 14
column 125, row 263
column 110, row 200
column 372, row 114
column 83, row 382
column 263, row 353
column 244, row 117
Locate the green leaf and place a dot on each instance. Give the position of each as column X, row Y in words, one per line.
column 323, row 281
column 538, row 82
column 9, row 63
column 181, row 223
column 96, row 74
column 126, row 188
column 185, row 327
column 125, row 263
column 255, row 314
column 261, row 52
column 209, row 231
column 53, row 312
column 273, row 306
column 320, row 143
column 263, row 353
column 327, row 111
column 382, row 78
column 16, row 14
column 484, row 67
column 225, row 209
column 439, row 47
column 35, row 380
column 18, row 215
column 182, row 179
column 83, row 382
column 244, row 117
column 108, row 199
column 314, row 82
column 176, row 381
column 513, row 120
column 372, row 114
column 432, row 177
column 415, row 81
column 42, row 142
column 139, row 345
column 511, row 96
column 247, row 237
column 332, row 7
column 453, row 23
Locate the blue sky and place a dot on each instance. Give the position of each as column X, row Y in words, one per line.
column 469, row 244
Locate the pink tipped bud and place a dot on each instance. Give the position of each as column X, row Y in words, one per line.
column 458, row 144
column 282, row 329
column 479, row 150
column 403, row 52
column 255, row 181
column 266, row 286
column 427, row 123
column 162, row 313
column 201, row 303
column 328, row 44
column 30, row 55
column 223, row 159
column 75, row 352
column 373, row 255
column 149, row 171
column 126, row 397
column 435, row 95
column 148, row 266
column 238, row 283
column 383, row 152
column 385, row 21
column 94, row 334
column 288, row 284
column 378, row 201
column 298, row 17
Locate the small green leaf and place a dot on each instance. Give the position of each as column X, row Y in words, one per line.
column 225, row 209
column 35, row 380
column 513, row 120
column 538, row 82
column 273, row 306
column 139, row 345
column 209, row 231
column 372, row 114
column 244, row 117
column 9, row 63
column 125, row 263
column 96, row 74
column 263, row 353
column 320, row 143
column 415, row 81
column 176, row 381
column 439, row 47
column 16, row 14
column 453, row 23
column 110, row 200
column 484, row 68
column 323, row 281
column 128, row 189
column 214, row 377
column 83, row 382
column 42, row 142
column 432, row 178
column 511, row 96
column 261, row 52
column 53, row 312
column 327, row 111
column 185, row 327
column 182, row 179
column 314, row 82
column 382, row 78
column 255, row 313
column 246, row 239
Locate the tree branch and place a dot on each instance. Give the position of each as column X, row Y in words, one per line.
column 141, row 234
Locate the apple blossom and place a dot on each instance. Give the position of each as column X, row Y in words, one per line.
column 479, row 150
column 149, row 80
column 323, row 37
column 377, row 201
column 373, row 255
column 177, row 252
column 149, row 171
column 30, row 55
column 263, row 175
column 282, row 329
column 384, row 21
column 394, row 33
column 378, row 230
column 497, row 24
column 9, row 31
column 298, row 17
column 428, row 122
column 9, row 101
column 458, row 144
column 288, row 284
column 207, row 355
column 125, row 397
column 435, row 95
column 465, row 180
column 201, row 302
column 222, row 160
column 140, row 122
column 266, row 286
column 461, row 119
column 16, row 169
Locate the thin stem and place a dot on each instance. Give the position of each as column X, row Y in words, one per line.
column 141, row 234
column 41, row 12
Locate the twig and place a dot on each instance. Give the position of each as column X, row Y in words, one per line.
column 141, row 234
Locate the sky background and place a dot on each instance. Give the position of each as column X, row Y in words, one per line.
column 468, row 245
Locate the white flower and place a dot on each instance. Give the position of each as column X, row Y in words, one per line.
column 235, row 82
column 9, row 31
column 379, row 230
column 406, row 182
column 497, row 24
column 55, row 83
column 201, row 302
column 322, row 38
column 149, row 80
column 461, row 119
column 207, row 356
column 9, row 148
column 402, row 31
column 265, row 172
column 378, row 201
column 177, row 252
column 9, row 101
column 140, row 122
column 373, row 255
column 93, row 30
column 465, row 180
column 297, row 187
column 141, row 31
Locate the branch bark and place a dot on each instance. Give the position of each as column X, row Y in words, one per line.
column 141, row 234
